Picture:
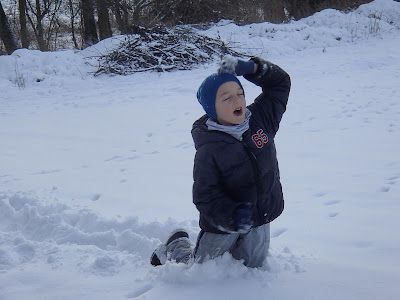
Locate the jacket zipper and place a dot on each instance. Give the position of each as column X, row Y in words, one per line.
column 253, row 160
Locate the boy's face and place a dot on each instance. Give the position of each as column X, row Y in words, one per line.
column 230, row 104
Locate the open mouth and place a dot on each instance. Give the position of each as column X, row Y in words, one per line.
column 238, row 111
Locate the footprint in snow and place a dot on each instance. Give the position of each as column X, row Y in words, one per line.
column 154, row 152
column 391, row 128
column 392, row 179
column 184, row 145
column 95, row 197
column 149, row 135
column 44, row 172
column 332, row 202
column 319, row 194
column 112, row 158
column 333, row 214
column 385, row 189
column 170, row 122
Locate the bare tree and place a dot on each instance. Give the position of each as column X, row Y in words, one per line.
column 299, row 9
column 37, row 12
column 274, row 10
column 54, row 24
column 121, row 16
column 103, row 19
column 37, row 24
column 89, row 24
column 6, row 34
column 22, row 22
column 73, row 13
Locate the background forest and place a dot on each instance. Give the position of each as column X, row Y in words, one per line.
column 50, row 25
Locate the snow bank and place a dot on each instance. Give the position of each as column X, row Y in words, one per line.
column 59, row 224
column 328, row 28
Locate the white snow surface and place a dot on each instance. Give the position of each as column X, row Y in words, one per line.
column 95, row 172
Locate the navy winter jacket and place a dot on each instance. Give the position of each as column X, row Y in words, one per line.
column 229, row 173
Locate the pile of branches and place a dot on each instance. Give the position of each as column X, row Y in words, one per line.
column 160, row 49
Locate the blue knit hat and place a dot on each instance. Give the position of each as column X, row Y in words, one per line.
column 208, row 91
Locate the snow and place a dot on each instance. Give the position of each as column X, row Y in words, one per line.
column 96, row 171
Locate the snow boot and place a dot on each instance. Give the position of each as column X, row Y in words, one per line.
column 159, row 256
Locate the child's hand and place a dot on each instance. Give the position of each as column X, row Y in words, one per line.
column 243, row 218
column 232, row 65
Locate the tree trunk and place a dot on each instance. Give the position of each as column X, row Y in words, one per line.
column 300, row 9
column 72, row 19
column 293, row 9
column 89, row 24
column 39, row 28
column 22, row 22
column 6, row 34
column 118, row 17
column 104, row 20
column 274, row 11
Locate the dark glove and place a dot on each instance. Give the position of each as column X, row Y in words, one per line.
column 238, row 67
column 242, row 218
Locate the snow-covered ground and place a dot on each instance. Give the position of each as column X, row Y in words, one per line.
column 96, row 171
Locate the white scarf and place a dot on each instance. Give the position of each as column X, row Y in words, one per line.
column 235, row 130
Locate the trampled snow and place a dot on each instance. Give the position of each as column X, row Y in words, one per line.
column 96, row 171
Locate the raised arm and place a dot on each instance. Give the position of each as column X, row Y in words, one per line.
column 275, row 84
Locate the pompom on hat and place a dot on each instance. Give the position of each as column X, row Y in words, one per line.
column 207, row 92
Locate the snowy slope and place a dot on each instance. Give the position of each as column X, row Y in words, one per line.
column 96, row 171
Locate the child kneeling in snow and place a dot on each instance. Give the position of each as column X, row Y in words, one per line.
column 236, row 188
